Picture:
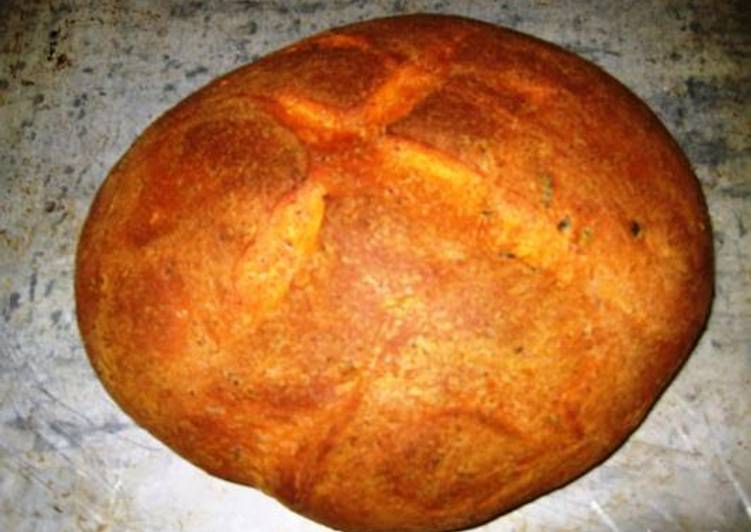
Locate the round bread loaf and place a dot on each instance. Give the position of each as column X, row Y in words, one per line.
column 404, row 275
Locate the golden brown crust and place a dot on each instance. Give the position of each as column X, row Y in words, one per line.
column 403, row 275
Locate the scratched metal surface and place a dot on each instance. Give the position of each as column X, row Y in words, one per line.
column 79, row 80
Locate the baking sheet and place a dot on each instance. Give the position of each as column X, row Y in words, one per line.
column 79, row 80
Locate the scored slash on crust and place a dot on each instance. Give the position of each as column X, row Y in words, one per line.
column 266, row 270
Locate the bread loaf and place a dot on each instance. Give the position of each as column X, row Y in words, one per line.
column 404, row 275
